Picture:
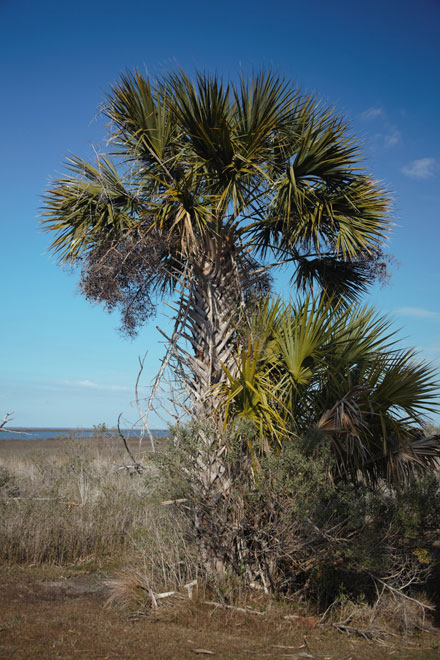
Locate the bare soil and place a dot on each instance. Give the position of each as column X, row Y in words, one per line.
column 60, row 613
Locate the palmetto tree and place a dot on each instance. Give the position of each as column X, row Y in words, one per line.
column 211, row 184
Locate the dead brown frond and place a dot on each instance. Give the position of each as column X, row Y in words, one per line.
column 132, row 590
column 129, row 589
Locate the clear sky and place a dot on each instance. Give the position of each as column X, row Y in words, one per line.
column 62, row 361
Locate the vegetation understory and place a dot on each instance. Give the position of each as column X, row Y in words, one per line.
column 332, row 558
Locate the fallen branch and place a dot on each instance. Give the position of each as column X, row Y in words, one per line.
column 399, row 593
column 236, row 609
column 165, row 594
column 365, row 633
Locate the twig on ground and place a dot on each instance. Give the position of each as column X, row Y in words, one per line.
column 236, row 609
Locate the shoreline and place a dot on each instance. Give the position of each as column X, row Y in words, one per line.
column 79, row 429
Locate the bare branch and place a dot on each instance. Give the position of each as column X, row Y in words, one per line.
column 137, row 466
column 142, row 415
column 6, row 419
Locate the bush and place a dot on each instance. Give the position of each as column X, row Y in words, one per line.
column 292, row 529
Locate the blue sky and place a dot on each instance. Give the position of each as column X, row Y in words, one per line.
column 62, row 361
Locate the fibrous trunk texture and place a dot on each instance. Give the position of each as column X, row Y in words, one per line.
column 211, row 304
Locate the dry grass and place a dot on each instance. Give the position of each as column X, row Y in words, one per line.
column 77, row 506
column 73, row 506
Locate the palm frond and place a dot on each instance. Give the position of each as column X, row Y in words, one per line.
column 339, row 280
column 143, row 124
column 203, row 111
column 252, row 395
column 91, row 206
column 264, row 112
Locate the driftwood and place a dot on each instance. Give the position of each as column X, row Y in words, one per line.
column 8, row 418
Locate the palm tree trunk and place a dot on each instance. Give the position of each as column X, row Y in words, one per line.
column 211, row 303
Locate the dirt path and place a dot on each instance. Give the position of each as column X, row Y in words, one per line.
column 53, row 614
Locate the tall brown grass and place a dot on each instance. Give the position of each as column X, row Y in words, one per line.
column 79, row 506
column 297, row 536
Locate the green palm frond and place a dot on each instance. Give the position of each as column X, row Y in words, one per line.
column 252, row 395
column 324, row 148
column 92, row 205
column 203, row 111
column 144, row 126
column 264, row 112
column 302, row 335
column 402, row 382
column 323, row 205
column 336, row 369
column 358, row 336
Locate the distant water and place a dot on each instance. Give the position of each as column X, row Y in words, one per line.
column 47, row 434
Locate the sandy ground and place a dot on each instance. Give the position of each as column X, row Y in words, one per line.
column 56, row 613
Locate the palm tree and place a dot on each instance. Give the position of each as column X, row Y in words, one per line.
column 212, row 185
column 317, row 373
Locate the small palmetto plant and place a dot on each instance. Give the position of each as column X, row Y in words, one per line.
column 316, row 370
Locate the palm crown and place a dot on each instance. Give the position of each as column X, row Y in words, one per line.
column 256, row 160
column 214, row 184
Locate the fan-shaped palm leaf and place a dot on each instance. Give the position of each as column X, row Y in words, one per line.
column 336, row 369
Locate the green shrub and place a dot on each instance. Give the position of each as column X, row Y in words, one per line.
column 293, row 529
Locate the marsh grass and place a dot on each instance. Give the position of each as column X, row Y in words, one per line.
column 79, row 506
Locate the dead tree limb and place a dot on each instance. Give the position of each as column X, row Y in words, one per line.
column 136, row 465
column 8, row 418
column 142, row 415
